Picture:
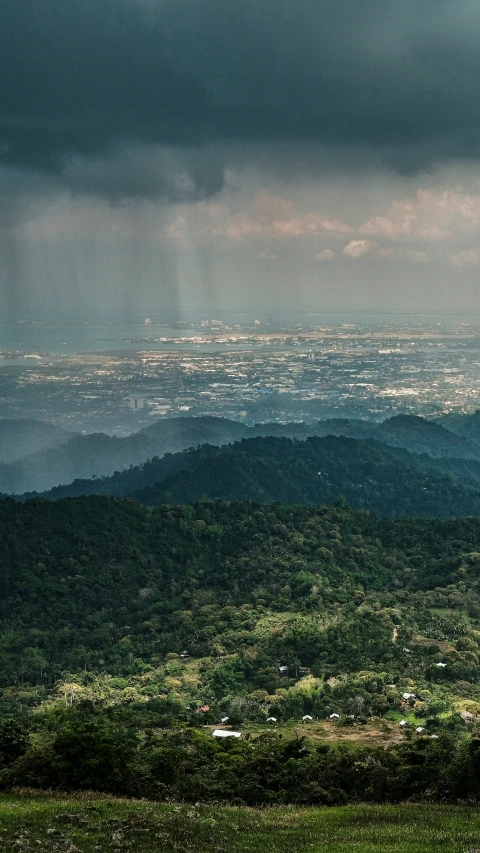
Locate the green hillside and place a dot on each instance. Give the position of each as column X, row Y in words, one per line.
column 128, row 634
column 368, row 474
column 106, row 584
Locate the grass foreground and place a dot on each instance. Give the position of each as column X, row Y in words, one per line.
column 90, row 823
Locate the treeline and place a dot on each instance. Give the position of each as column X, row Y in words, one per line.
column 102, row 751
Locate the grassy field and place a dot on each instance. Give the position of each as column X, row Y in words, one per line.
column 379, row 732
column 95, row 824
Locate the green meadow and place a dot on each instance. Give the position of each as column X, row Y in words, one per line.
column 96, row 824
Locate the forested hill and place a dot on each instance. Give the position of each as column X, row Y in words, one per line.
column 466, row 426
column 54, row 457
column 416, row 434
column 370, row 475
column 102, row 584
column 367, row 474
column 23, row 436
column 100, row 455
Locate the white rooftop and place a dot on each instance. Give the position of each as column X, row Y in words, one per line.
column 223, row 733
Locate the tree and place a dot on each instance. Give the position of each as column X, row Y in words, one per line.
column 13, row 741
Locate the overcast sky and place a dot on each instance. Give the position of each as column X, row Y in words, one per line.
column 210, row 156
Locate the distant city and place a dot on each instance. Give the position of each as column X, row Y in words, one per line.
column 117, row 379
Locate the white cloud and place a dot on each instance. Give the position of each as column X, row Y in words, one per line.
column 358, row 248
column 432, row 215
column 466, row 258
column 325, row 255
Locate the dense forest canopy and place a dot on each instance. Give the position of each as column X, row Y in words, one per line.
column 104, row 583
column 124, row 630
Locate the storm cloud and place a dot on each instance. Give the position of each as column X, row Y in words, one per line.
column 84, row 81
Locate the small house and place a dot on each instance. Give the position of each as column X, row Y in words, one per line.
column 334, row 716
column 407, row 696
column 307, row 718
column 420, row 729
column 441, row 665
column 433, row 737
column 224, row 719
column 407, row 651
column 271, row 719
column 223, row 733
column 203, row 709
column 283, row 670
column 403, row 723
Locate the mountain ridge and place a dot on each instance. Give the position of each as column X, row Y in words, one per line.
column 82, row 457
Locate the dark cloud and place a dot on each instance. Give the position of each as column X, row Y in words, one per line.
column 147, row 171
column 84, row 81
